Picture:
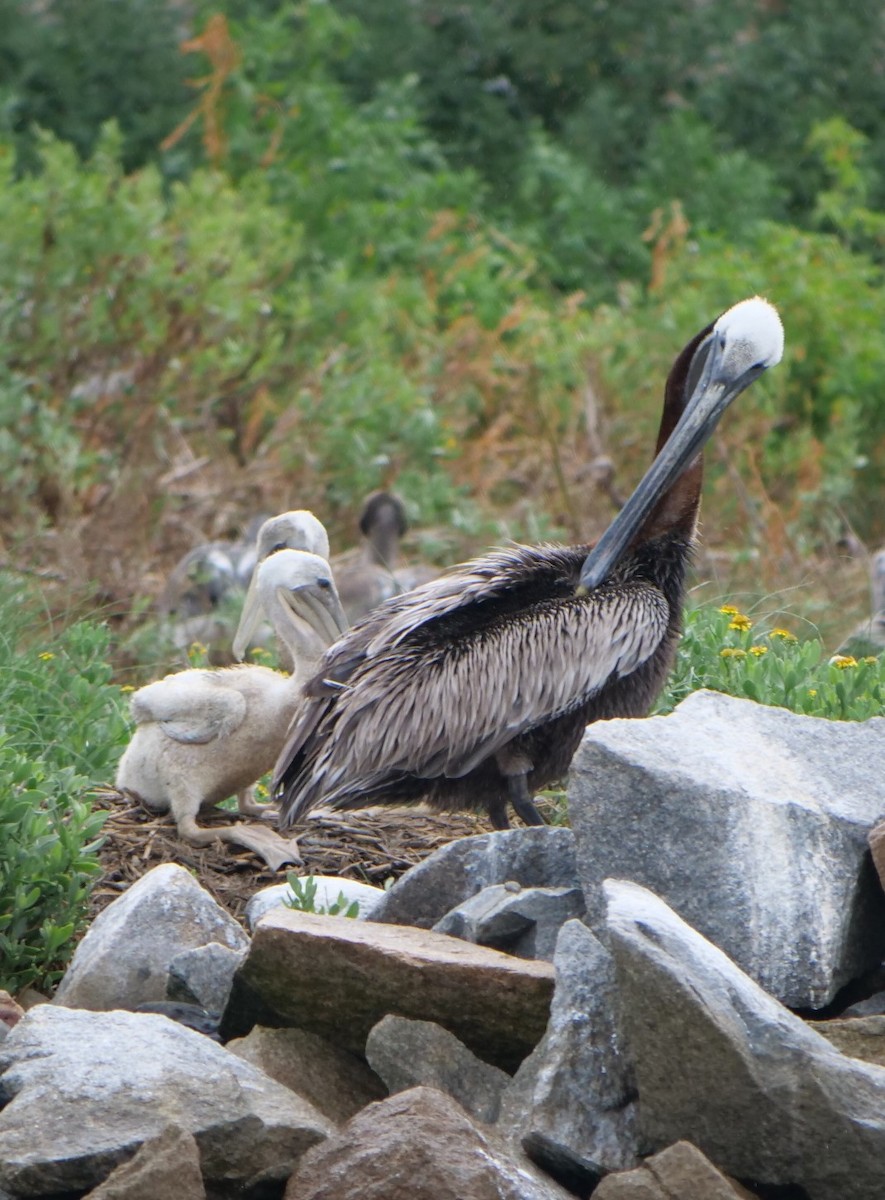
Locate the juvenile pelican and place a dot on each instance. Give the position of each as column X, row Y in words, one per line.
column 195, row 600
column 370, row 574
column 202, row 736
column 475, row 689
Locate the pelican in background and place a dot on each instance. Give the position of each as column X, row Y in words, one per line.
column 204, row 735
column 869, row 636
column 475, row 689
column 368, row 575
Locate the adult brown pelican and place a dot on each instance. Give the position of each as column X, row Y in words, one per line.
column 475, row 689
column 204, row 735
column 370, row 574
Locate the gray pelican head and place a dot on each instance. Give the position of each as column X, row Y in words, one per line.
column 745, row 341
column 295, row 591
column 295, row 530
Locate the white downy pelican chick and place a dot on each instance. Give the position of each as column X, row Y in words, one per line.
column 204, row 735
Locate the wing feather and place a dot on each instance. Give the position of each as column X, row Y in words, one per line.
column 444, row 712
column 192, row 706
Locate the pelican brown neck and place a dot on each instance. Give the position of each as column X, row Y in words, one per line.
column 711, row 372
column 382, row 524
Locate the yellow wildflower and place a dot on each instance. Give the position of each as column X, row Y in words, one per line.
column 812, row 691
column 46, row 656
column 758, row 651
column 730, row 610
column 127, row 687
column 740, row 622
column 843, row 661
column 784, row 635
column 732, row 652
column 869, row 659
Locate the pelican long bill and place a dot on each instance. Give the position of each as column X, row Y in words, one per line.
column 743, row 343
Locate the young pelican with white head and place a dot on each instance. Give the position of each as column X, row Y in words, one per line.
column 204, row 735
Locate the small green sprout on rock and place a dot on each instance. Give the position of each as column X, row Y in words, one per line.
column 303, row 898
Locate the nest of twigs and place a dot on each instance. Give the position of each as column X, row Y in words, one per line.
column 371, row 845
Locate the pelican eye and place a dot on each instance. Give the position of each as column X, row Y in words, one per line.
column 324, row 583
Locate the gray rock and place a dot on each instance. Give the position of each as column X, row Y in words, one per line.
column 680, row 1172
column 336, row 1083
column 751, row 822
column 520, row 921
column 418, row 1145
column 83, row 1090
column 409, row 1054
column 124, row 958
column 203, row 975
column 165, row 1166
column 329, row 887
column 191, row 1016
column 858, row 1037
column 723, row 1065
column 572, row 1102
column 538, row 857
column 338, row 978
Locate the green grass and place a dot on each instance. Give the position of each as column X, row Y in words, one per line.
column 61, row 730
column 725, row 650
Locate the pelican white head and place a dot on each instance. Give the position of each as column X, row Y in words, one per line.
column 753, row 333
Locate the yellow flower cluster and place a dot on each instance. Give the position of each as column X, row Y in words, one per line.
column 732, row 652
column 784, row 635
column 758, row 651
column 843, row 662
column 740, row 622
column 46, row 656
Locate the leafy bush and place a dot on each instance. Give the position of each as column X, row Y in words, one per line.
column 725, row 650
column 69, row 68
column 61, row 730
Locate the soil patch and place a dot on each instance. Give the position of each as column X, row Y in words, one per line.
column 371, row 845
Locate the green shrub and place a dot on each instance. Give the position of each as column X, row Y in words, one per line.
column 725, row 650
column 62, row 729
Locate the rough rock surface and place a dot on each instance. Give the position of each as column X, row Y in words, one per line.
column 337, row 978
column 203, row 975
column 539, row 857
column 329, row 888
column 409, row 1054
column 418, row 1145
column 572, row 1102
column 751, row 822
column 518, row 920
column 336, row 1083
column 680, row 1172
column 725, row 1066
column 164, row 1166
column 858, row 1037
column 83, row 1090
column 124, row 958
